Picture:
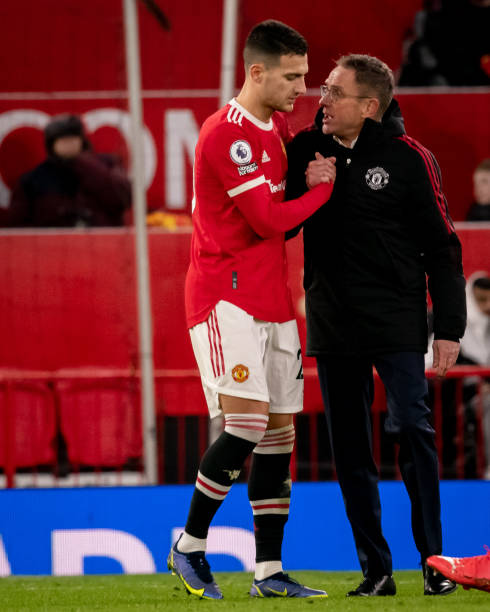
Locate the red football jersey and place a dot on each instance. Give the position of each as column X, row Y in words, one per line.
column 238, row 249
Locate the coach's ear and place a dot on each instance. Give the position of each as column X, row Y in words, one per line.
column 371, row 109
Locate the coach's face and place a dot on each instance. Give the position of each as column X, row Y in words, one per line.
column 283, row 82
column 345, row 106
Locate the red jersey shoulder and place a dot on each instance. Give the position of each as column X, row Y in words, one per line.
column 225, row 122
column 223, row 138
column 281, row 124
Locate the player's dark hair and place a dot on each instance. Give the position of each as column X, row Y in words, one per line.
column 269, row 40
column 483, row 282
column 374, row 77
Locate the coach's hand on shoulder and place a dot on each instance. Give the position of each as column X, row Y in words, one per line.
column 320, row 170
column 445, row 355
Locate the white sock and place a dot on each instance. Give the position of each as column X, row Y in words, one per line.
column 264, row 569
column 188, row 544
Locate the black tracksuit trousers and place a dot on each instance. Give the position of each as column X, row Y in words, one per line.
column 348, row 389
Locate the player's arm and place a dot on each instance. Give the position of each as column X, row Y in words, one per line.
column 267, row 217
column 239, row 168
column 300, row 153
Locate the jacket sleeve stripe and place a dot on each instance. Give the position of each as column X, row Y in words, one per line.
column 435, row 179
column 445, row 208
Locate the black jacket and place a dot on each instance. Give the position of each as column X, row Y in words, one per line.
column 478, row 212
column 369, row 248
column 90, row 190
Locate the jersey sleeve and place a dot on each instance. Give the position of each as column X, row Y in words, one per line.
column 237, row 165
column 268, row 217
column 234, row 158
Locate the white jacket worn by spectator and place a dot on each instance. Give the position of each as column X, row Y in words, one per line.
column 475, row 344
column 475, row 349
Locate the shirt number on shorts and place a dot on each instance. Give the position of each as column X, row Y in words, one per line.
column 300, row 373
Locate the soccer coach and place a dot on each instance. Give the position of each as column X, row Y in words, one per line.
column 368, row 253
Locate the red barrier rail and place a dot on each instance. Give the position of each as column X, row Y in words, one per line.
column 93, row 415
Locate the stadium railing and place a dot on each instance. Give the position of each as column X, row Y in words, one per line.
column 83, row 427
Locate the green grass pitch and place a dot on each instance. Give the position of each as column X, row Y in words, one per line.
column 165, row 592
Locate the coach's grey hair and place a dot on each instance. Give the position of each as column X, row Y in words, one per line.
column 374, row 77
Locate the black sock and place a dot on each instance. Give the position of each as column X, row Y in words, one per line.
column 269, row 490
column 219, row 469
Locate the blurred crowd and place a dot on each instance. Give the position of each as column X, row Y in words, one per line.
column 449, row 45
column 74, row 186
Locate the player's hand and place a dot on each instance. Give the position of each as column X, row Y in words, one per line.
column 320, row 170
column 445, row 354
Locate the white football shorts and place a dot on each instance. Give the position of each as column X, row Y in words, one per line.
column 242, row 356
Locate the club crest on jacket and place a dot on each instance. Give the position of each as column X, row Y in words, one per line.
column 377, row 178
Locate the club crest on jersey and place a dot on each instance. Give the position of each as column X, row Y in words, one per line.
column 377, row 178
column 241, row 152
column 240, row 373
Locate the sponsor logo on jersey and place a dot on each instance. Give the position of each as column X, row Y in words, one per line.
column 247, row 169
column 275, row 188
column 240, row 373
column 265, row 157
column 377, row 178
column 241, row 152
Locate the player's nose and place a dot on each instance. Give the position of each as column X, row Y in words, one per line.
column 301, row 87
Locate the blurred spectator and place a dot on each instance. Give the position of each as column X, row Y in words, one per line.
column 475, row 344
column 73, row 187
column 451, row 45
column 480, row 209
column 475, row 350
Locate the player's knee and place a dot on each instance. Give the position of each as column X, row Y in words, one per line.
column 251, row 427
column 277, row 441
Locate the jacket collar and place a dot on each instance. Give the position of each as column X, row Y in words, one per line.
column 391, row 126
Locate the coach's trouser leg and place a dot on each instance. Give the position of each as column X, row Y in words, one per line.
column 408, row 417
column 347, row 390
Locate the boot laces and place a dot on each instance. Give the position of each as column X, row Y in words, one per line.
column 200, row 565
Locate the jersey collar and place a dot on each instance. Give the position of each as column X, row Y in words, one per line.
column 257, row 122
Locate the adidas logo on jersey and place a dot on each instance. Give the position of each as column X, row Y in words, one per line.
column 265, row 157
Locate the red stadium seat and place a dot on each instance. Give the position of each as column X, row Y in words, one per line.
column 27, row 425
column 100, row 421
column 180, row 396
